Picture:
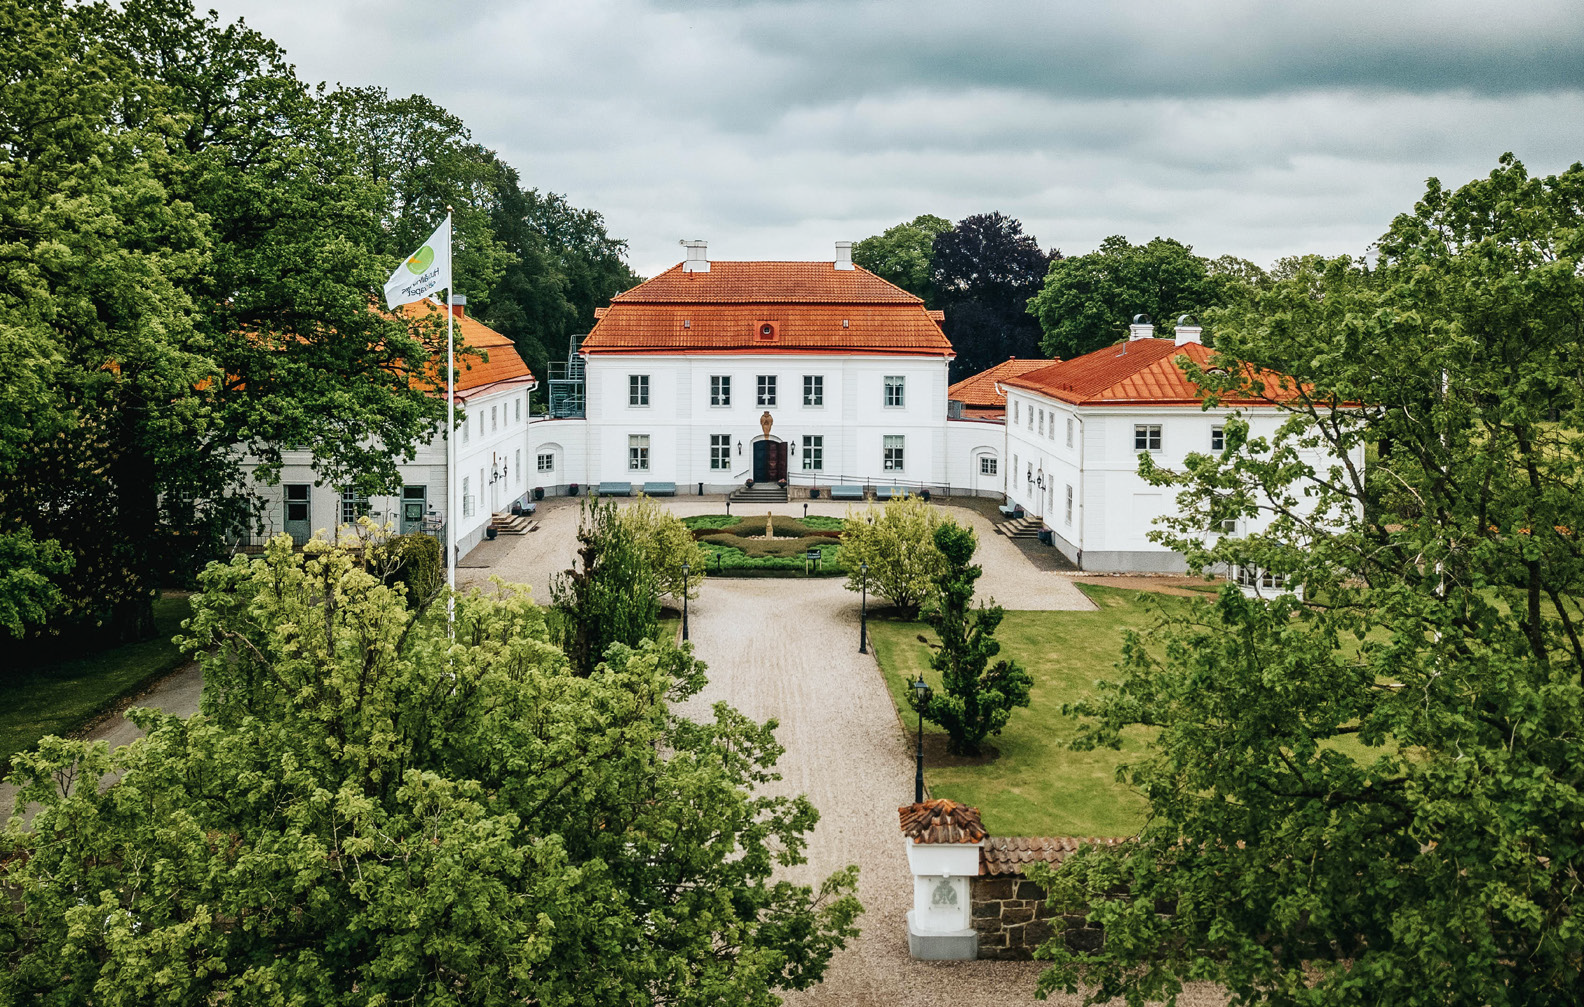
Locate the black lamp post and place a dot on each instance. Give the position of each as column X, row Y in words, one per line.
column 921, row 696
column 728, row 506
column 805, row 510
column 685, row 568
column 863, row 618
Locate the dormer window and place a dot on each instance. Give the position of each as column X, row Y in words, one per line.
column 766, row 332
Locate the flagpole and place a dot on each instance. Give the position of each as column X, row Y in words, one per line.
column 451, row 518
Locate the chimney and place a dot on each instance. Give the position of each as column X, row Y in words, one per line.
column 697, row 256
column 1142, row 328
column 459, row 304
column 844, row 255
column 1187, row 330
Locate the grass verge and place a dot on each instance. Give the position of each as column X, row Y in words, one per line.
column 1037, row 786
column 60, row 697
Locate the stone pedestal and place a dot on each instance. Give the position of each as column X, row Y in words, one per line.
column 939, row 926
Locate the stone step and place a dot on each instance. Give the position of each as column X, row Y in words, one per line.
column 511, row 524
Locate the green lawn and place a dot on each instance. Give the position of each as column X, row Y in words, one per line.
column 58, row 698
column 1038, row 787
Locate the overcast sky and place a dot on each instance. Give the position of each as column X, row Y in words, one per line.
column 773, row 129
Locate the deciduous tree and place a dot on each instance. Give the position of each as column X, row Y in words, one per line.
column 904, row 254
column 611, row 596
column 365, row 812
column 984, row 271
column 897, row 542
column 1373, row 795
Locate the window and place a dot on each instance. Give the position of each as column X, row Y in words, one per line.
column 481, row 423
column 767, row 389
column 517, row 464
column 813, row 389
column 547, row 462
column 1031, row 418
column 1253, row 576
column 467, row 499
column 637, row 389
column 987, row 465
column 1228, row 526
column 494, row 422
column 1218, row 438
column 720, row 389
column 1069, row 431
column 1042, row 423
column 813, row 453
column 638, row 452
column 1069, row 505
column 720, row 452
column 894, row 449
column 353, row 505
column 895, row 394
column 1146, row 437
column 1015, row 405
column 467, row 430
column 519, row 411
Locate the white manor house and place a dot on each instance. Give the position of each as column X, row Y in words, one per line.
column 818, row 376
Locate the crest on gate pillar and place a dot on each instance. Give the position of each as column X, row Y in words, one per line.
column 766, row 422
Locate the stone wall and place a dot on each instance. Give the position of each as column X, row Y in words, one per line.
column 1010, row 915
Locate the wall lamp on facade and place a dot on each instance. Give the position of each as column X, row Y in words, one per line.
column 739, row 447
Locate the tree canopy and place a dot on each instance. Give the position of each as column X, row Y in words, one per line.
column 1373, row 795
column 1087, row 301
column 904, row 254
column 365, row 812
column 983, row 272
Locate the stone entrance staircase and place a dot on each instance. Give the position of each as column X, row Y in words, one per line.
column 1024, row 528
column 759, row 493
column 512, row 524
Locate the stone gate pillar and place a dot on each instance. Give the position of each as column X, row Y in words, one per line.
column 943, row 840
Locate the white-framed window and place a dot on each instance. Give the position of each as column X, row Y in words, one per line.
column 494, row 422
column 467, row 430
column 1218, row 438
column 1228, row 526
column 467, row 499
column 1146, row 437
column 813, row 452
column 1069, row 504
column 894, row 452
column 1042, row 423
column 353, row 505
column 720, row 452
column 547, row 461
column 767, row 389
column 813, row 389
column 987, row 465
column 1015, row 406
column 1253, row 576
column 1069, row 431
column 720, row 389
column 481, row 422
column 1031, row 418
column 519, row 411
column 517, row 464
column 638, row 452
column 895, row 391
column 1014, row 464
column 637, row 389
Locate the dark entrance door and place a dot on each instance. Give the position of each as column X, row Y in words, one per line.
column 298, row 525
column 414, row 499
column 769, row 461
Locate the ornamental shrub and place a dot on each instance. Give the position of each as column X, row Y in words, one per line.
column 898, row 543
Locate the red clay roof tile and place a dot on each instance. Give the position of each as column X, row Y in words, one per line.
column 979, row 390
column 1011, row 854
column 941, row 821
column 1139, row 372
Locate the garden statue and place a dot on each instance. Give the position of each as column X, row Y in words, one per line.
column 769, row 528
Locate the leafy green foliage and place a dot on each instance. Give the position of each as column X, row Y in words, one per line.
column 364, row 812
column 984, row 271
column 1088, row 300
column 904, row 254
column 612, row 596
column 897, row 541
column 976, row 698
column 415, row 561
column 665, row 544
column 28, row 595
column 1374, row 797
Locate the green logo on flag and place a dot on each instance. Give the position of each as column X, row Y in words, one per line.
column 421, row 260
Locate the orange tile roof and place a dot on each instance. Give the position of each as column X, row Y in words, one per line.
column 1012, row 854
column 473, row 371
column 978, row 391
column 1140, row 372
column 812, row 306
column 941, row 821
column 772, row 282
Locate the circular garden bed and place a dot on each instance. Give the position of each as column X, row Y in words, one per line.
column 739, row 545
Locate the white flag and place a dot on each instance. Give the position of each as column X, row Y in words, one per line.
column 424, row 272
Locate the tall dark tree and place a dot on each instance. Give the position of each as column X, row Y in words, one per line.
column 610, row 597
column 1373, row 795
column 983, row 271
column 1087, row 301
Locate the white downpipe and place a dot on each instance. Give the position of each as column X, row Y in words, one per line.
column 453, row 511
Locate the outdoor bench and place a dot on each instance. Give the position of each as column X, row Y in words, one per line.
column 659, row 489
column 1011, row 510
column 846, row 492
column 615, row 489
column 887, row 492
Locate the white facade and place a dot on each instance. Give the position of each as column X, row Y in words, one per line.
column 494, row 470
column 1076, row 469
column 844, row 418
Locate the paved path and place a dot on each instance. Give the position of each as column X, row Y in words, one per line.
column 533, row 559
column 175, row 693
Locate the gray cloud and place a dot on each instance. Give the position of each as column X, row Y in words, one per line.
column 775, row 128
